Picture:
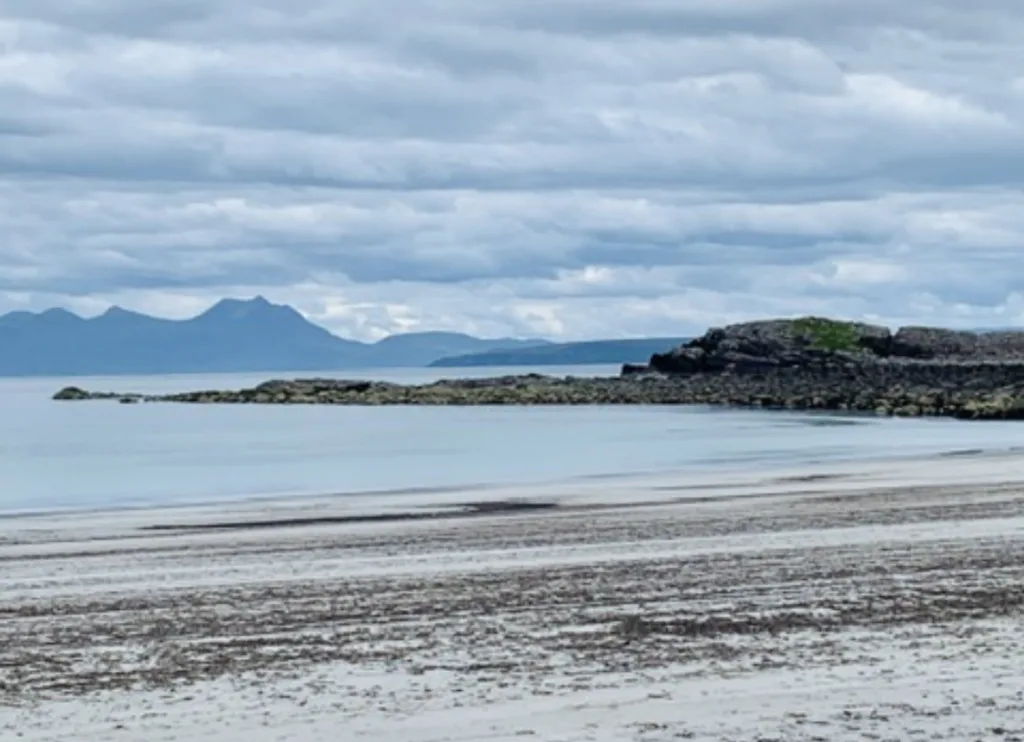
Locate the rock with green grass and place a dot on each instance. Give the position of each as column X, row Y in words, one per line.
column 772, row 343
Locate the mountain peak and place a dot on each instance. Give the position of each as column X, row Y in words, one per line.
column 257, row 306
column 115, row 311
column 116, row 316
column 54, row 318
column 256, row 302
column 59, row 313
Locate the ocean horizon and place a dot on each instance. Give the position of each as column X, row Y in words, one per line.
column 100, row 455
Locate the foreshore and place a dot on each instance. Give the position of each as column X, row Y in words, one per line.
column 833, row 602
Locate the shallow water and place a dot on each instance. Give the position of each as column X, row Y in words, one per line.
column 97, row 454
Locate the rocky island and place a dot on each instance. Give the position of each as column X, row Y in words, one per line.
column 808, row 363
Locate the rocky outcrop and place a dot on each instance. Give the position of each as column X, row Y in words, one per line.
column 888, row 387
column 773, row 343
column 931, row 342
column 73, row 393
column 808, row 364
column 816, row 341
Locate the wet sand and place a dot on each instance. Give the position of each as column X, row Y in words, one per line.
column 868, row 601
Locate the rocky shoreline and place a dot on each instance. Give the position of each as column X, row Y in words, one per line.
column 806, row 364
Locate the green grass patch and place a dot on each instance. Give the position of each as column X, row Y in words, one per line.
column 828, row 334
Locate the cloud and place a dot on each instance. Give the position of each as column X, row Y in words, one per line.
column 563, row 168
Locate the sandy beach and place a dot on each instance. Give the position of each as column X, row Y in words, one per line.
column 850, row 601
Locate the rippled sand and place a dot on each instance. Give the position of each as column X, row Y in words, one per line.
column 861, row 602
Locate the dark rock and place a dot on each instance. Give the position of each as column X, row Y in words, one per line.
column 772, row 343
column 73, row 393
column 931, row 342
column 687, row 359
column 631, row 369
column 1001, row 345
column 815, row 341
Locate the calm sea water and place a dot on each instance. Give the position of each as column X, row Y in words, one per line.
column 94, row 455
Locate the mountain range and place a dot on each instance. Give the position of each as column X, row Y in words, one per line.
column 240, row 335
column 233, row 335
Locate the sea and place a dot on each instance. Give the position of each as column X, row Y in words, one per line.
column 98, row 455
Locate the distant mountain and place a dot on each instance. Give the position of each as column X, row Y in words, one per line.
column 634, row 350
column 423, row 348
column 233, row 335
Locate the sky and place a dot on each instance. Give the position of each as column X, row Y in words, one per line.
column 553, row 168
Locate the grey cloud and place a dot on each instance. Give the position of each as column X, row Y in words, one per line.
column 111, row 16
column 819, row 19
column 561, row 166
column 11, row 127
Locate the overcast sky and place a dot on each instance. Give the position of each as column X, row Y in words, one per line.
column 564, row 168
